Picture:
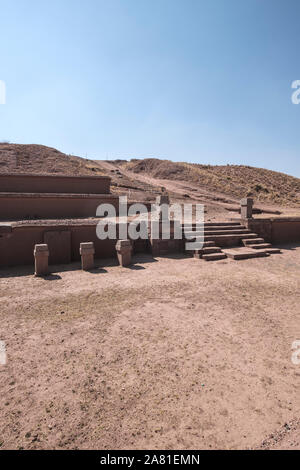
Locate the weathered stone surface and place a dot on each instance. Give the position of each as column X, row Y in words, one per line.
column 124, row 250
column 87, row 252
column 87, row 246
column 122, row 244
column 246, row 201
column 163, row 199
column 243, row 253
column 246, row 208
column 41, row 256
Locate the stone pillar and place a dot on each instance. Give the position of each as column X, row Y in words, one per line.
column 41, row 255
column 124, row 250
column 246, row 208
column 87, row 252
column 160, row 200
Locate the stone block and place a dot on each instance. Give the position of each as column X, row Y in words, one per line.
column 162, row 199
column 87, row 252
column 246, row 208
column 41, row 256
column 124, row 251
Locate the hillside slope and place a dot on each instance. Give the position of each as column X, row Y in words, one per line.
column 17, row 158
column 219, row 186
column 236, row 181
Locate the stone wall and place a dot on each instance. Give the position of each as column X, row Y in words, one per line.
column 17, row 243
column 17, row 183
column 286, row 230
column 16, row 246
column 275, row 230
column 16, row 206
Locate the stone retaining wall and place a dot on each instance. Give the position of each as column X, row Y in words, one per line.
column 18, row 206
column 20, row 183
column 275, row 230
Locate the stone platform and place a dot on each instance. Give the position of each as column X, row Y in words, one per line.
column 229, row 239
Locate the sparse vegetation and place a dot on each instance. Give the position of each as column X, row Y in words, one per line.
column 233, row 181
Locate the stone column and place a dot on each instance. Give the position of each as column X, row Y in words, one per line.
column 41, row 255
column 124, row 250
column 160, row 200
column 246, row 208
column 87, row 252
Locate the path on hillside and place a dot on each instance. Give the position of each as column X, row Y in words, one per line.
column 218, row 204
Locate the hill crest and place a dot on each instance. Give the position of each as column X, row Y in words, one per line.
column 148, row 175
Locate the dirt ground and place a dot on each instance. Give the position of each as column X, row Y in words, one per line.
column 173, row 353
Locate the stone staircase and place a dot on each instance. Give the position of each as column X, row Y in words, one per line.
column 260, row 244
column 209, row 252
column 228, row 239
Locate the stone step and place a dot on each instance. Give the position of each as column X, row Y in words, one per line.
column 244, row 253
column 191, row 235
column 216, row 224
column 225, row 227
column 207, row 244
column 208, row 250
column 190, row 228
column 193, row 227
column 198, row 254
column 271, row 251
column 261, row 246
column 214, row 256
column 211, row 249
column 253, row 241
column 243, row 231
column 234, row 237
column 208, row 224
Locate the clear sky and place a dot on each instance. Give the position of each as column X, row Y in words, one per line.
column 205, row 81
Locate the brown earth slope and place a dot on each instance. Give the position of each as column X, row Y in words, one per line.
column 233, row 180
column 218, row 187
column 16, row 158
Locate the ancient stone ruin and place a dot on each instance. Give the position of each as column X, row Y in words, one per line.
column 87, row 252
column 47, row 220
column 124, row 249
column 41, row 256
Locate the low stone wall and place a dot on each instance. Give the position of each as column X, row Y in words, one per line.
column 17, row 241
column 275, row 230
column 263, row 227
column 18, row 183
column 286, row 230
column 18, row 206
column 17, row 245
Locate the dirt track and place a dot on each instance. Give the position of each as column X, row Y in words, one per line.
column 174, row 353
column 219, row 188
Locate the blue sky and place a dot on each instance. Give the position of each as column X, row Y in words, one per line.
column 206, row 81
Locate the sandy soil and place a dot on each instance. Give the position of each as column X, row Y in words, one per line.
column 172, row 353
